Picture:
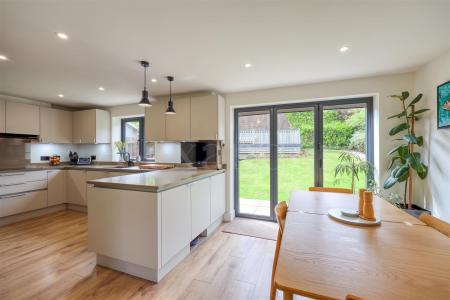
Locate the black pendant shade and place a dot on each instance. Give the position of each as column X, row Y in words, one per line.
column 170, row 110
column 144, row 100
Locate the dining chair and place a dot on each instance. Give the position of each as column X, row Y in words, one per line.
column 441, row 226
column 330, row 190
column 280, row 212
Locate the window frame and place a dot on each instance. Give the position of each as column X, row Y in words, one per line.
column 141, row 121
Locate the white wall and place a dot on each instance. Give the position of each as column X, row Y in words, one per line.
column 434, row 192
column 380, row 87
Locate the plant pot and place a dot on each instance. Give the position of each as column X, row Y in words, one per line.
column 415, row 211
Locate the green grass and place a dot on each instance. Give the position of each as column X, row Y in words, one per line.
column 294, row 174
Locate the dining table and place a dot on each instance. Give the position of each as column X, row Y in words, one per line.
column 322, row 258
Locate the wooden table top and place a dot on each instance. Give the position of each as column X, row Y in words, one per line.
column 321, row 203
column 325, row 259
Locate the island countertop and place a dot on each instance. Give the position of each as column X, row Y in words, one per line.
column 156, row 181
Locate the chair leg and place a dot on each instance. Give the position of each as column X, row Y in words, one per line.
column 288, row 295
column 273, row 290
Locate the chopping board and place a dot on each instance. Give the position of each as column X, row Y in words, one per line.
column 156, row 166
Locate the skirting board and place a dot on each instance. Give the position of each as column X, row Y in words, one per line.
column 77, row 207
column 31, row 214
column 141, row 271
column 229, row 216
column 213, row 227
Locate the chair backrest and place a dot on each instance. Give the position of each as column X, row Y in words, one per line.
column 352, row 297
column 281, row 211
column 330, row 190
column 441, row 226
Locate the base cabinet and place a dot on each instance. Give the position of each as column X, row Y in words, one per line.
column 175, row 222
column 23, row 202
column 76, row 187
column 56, row 187
column 200, row 193
column 217, row 197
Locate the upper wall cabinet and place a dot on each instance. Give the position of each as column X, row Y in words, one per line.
column 197, row 118
column 2, row 116
column 208, row 117
column 178, row 125
column 22, row 118
column 56, row 125
column 92, row 126
column 155, row 121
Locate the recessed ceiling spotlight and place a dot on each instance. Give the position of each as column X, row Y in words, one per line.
column 344, row 49
column 100, row 88
column 62, row 35
column 2, row 57
column 247, row 65
column 60, row 95
column 154, row 80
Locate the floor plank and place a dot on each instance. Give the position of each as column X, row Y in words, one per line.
column 47, row 258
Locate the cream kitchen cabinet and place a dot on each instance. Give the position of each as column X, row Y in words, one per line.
column 91, row 126
column 23, row 202
column 207, row 118
column 76, row 187
column 178, row 125
column 155, row 121
column 200, row 206
column 175, row 222
column 2, row 116
column 22, row 118
column 56, row 125
column 217, row 197
column 56, row 187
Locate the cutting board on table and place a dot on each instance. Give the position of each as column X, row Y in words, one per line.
column 156, row 166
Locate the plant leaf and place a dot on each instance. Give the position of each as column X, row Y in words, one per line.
column 398, row 129
column 419, row 112
column 417, row 99
column 410, row 138
column 401, row 171
column 420, row 140
column 390, row 182
column 396, row 96
column 392, row 161
column 405, row 95
column 395, row 149
column 397, row 115
column 424, row 172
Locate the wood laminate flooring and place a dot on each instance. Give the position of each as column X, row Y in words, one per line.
column 47, row 258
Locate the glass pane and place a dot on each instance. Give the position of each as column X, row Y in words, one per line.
column 344, row 139
column 131, row 139
column 295, row 151
column 254, row 164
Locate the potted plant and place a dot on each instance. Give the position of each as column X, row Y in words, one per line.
column 403, row 160
column 351, row 164
column 121, row 149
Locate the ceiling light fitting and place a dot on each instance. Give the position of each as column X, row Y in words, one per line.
column 247, row 65
column 2, row 57
column 62, row 35
column 170, row 110
column 60, row 95
column 100, row 88
column 344, row 48
column 144, row 100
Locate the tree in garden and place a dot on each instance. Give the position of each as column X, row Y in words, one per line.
column 403, row 159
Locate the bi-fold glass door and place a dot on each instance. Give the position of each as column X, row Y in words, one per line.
column 293, row 147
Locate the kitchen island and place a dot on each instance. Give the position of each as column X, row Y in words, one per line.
column 143, row 224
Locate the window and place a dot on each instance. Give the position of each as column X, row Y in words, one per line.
column 133, row 136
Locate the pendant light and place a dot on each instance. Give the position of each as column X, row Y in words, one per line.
column 144, row 100
column 170, row 110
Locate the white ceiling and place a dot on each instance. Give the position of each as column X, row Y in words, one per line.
column 204, row 44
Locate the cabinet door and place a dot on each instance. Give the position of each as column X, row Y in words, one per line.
column 77, row 121
column 19, row 203
column 178, row 126
column 175, row 221
column 200, row 206
column 102, row 126
column 217, row 196
column 204, row 117
column 84, row 126
column 56, row 187
column 155, row 121
column 47, row 125
column 76, row 187
column 93, row 175
column 22, row 118
column 2, row 116
column 63, row 126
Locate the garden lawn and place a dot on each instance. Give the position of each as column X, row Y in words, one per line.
column 294, row 174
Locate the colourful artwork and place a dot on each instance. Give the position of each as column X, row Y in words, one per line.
column 443, row 105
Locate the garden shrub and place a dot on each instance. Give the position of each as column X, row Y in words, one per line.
column 358, row 141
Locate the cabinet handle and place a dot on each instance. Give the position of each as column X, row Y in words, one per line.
column 12, row 196
column 12, row 184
